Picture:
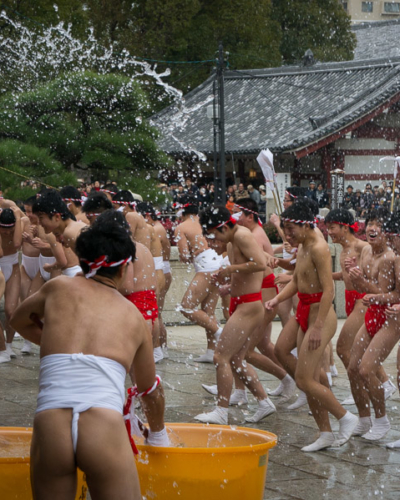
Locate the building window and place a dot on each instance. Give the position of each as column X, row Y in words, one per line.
column 344, row 5
column 391, row 7
column 367, row 6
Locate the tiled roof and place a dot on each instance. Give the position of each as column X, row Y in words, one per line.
column 377, row 40
column 283, row 109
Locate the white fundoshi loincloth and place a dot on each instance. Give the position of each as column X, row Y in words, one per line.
column 207, row 262
column 80, row 382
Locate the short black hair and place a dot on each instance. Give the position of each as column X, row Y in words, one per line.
column 51, row 203
column 98, row 201
column 125, row 197
column 29, row 202
column 146, row 208
column 7, row 218
column 70, row 193
column 108, row 235
column 249, row 206
column 380, row 214
column 190, row 204
column 311, row 204
column 340, row 215
column 299, row 211
column 214, row 216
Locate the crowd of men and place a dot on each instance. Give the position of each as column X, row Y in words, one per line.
column 102, row 261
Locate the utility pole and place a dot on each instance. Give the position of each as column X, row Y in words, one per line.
column 218, row 115
column 221, row 120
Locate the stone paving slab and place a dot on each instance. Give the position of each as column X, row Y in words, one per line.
column 359, row 470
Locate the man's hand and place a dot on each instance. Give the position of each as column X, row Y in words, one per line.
column 224, row 290
column 271, row 304
column 314, row 339
column 350, row 263
column 38, row 243
column 283, row 279
column 275, row 220
column 356, row 276
column 369, row 299
column 393, row 310
column 221, row 276
column 271, row 261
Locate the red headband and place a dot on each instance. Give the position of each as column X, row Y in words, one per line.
column 102, row 262
column 291, row 195
column 79, row 200
column 251, row 211
column 351, row 226
column 7, row 225
column 231, row 219
column 295, row 221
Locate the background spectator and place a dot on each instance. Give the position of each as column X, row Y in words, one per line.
column 322, row 196
column 191, row 188
column 263, row 197
column 311, row 191
column 349, row 199
column 241, row 192
column 254, row 194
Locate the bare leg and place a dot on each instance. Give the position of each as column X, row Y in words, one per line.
column 26, row 284
column 357, row 383
column 11, row 298
column 285, row 344
column 378, row 350
column 199, row 289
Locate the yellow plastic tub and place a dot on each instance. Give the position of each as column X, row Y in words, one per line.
column 206, row 462
column 15, row 443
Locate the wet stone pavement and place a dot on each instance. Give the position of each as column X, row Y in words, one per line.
column 358, row 470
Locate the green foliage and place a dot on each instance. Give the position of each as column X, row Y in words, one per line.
column 79, row 120
column 320, row 25
column 272, row 233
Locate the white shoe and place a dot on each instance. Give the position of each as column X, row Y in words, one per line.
column 208, row 357
column 4, row 357
column 217, row 416
column 17, row 336
column 334, row 371
column 265, row 408
column 211, row 389
column 363, row 426
column 393, row 445
column 26, row 347
column 158, row 354
column 238, row 397
column 389, row 388
column 277, row 391
column 300, row 401
column 325, row 440
column 347, row 424
column 378, row 430
column 10, row 351
column 289, row 387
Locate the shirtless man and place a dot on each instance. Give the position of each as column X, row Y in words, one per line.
column 124, row 201
column 342, row 229
column 377, row 336
column 55, row 218
column 150, row 216
column 11, row 241
column 73, row 199
column 109, row 190
column 312, row 280
column 96, row 204
column 193, row 248
column 266, row 361
column 392, row 230
column 247, row 264
column 84, row 362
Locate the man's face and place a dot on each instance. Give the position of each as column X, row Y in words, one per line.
column 335, row 231
column 320, row 187
column 7, row 231
column 294, row 233
column 241, row 187
column 349, row 190
column 50, row 225
column 312, row 186
column 287, row 201
column 214, row 234
column 374, row 234
column 31, row 216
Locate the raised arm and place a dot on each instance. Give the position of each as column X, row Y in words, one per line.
column 182, row 244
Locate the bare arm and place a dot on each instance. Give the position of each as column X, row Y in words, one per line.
column 323, row 264
column 25, row 317
column 143, row 371
column 337, row 276
column 17, row 238
column 384, row 283
column 252, row 252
